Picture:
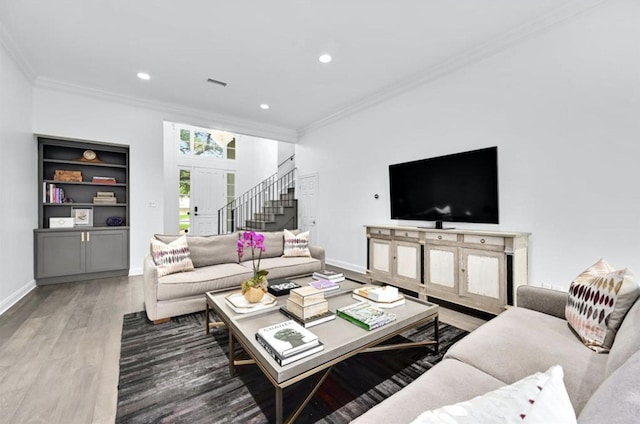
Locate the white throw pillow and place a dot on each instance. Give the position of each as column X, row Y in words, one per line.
column 171, row 258
column 296, row 245
column 538, row 398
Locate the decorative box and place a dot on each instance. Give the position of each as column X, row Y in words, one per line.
column 60, row 222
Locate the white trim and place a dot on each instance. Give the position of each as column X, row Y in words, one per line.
column 135, row 271
column 480, row 52
column 16, row 296
column 14, row 53
column 345, row 265
column 219, row 121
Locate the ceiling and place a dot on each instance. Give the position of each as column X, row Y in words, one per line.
column 267, row 51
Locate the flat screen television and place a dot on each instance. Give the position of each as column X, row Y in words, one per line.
column 461, row 187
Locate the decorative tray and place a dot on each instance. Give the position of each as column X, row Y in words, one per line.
column 361, row 294
column 240, row 305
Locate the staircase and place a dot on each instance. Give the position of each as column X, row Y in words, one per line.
column 269, row 206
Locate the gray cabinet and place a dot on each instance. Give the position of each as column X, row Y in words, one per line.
column 94, row 178
column 63, row 256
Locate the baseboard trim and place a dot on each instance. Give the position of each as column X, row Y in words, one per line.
column 16, row 296
column 135, row 271
column 346, row 265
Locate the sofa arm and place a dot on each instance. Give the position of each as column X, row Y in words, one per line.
column 317, row 252
column 551, row 302
column 150, row 287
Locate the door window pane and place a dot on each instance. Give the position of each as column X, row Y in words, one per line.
column 184, row 201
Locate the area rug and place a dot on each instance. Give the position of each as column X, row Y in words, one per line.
column 175, row 372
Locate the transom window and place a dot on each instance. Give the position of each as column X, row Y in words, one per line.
column 207, row 143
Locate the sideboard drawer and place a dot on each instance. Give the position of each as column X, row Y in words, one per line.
column 380, row 232
column 407, row 234
column 441, row 237
column 486, row 240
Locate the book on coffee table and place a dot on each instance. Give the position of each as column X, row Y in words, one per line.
column 287, row 338
column 366, row 315
column 328, row 275
column 310, row 321
column 324, row 285
column 285, row 360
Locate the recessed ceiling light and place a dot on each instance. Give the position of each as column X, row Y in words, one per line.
column 144, row 76
column 264, row 106
column 325, row 58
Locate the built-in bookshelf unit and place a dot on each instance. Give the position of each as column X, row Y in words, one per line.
column 83, row 210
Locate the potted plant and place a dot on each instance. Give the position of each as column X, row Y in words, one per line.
column 255, row 287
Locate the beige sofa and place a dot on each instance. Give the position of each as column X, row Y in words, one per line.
column 602, row 388
column 217, row 268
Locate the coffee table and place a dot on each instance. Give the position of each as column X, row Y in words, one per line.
column 341, row 338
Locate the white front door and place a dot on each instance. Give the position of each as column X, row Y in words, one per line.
column 208, row 194
column 308, row 202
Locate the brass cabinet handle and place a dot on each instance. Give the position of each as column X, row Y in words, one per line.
column 88, row 236
column 82, row 237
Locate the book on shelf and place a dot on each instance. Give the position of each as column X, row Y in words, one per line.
column 103, row 180
column 306, row 295
column 281, row 287
column 286, row 360
column 317, row 307
column 328, row 275
column 53, row 194
column 105, row 194
column 366, row 315
column 324, row 285
column 311, row 321
column 105, row 200
column 288, row 338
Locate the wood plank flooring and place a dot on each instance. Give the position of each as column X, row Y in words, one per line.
column 60, row 350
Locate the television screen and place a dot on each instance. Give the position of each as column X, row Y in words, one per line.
column 461, row 187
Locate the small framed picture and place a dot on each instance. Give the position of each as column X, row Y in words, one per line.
column 82, row 217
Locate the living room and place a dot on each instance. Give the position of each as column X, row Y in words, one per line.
column 558, row 94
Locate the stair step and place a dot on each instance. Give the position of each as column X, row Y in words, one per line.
column 283, row 203
column 257, row 225
column 287, row 196
column 279, row 210
column 264, row 217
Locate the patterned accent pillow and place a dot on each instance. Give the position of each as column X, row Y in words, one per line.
column 171, row 258
column 538, row 398
column 598, row 301
column 296, row 245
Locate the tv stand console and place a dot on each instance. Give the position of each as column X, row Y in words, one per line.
column 476, row 269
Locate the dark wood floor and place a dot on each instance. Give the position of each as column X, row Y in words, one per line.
column 60, row 350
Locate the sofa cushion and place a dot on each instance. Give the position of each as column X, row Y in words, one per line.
column 540, row 398
column 209, row 250
column 273, row 244
column 520, row 342
column 201, row 280
column 627, row 340
column 599, row 298
column 296, row 244
column 450, row 381
column 617, row 400
column 172, row 257
column 286, row 267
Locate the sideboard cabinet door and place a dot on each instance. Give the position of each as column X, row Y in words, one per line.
column 59, row 253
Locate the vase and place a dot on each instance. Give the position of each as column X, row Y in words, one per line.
column 253, row 294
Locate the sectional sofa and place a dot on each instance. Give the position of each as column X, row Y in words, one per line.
column 216, row 267
column 525, row 340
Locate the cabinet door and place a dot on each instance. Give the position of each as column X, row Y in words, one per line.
column 59, row 253
column 380, row 259
column 483, row 277
column 107, row 250
column 441, row 270
column 407, row 262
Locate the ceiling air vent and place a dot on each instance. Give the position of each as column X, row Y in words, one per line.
column 213, row 81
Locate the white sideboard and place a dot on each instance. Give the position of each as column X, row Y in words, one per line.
column 476, row 269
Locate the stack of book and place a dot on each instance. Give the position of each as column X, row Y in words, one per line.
column 308, row 307
column 324, row 285
column 334, row 276
column 52, row 194
column 366, row 315
column 105, row 198
column 288, row 342
column 103, row 180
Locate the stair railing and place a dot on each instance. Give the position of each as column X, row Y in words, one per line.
column 235, row 214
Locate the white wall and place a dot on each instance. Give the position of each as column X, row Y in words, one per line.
column 18, row 183
column 563, row 109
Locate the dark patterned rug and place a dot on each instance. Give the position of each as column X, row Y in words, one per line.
column 174, row 372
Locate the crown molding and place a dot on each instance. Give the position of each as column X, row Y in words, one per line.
column 16, row 55
column 480, row 52
column 219, row 121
